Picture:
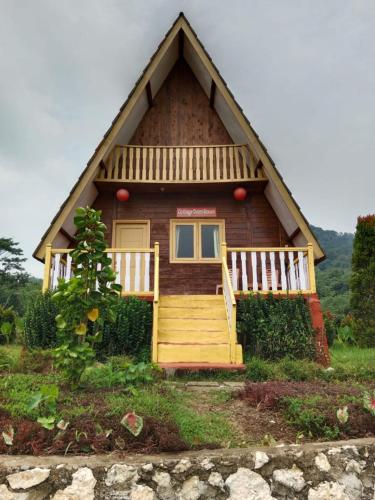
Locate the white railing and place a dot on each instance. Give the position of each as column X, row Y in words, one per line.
column 276, row 270
column 133, row 268
column 230, row 305
column 181, row 164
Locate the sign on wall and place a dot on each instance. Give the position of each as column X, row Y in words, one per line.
column 196, row 212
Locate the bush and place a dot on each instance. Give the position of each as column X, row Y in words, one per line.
column 299, row 370
column 273, row 328
column 40, row 324
column 130, row 334
column 259, row 370
column 7, row 317
column 330, row 327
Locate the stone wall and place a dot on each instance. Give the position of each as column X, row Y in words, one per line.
column 319, row 471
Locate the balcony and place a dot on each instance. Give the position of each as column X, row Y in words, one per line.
column 181, row 164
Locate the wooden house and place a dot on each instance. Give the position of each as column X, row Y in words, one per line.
column 209, row 216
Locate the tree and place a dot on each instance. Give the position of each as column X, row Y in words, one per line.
column 363, row 281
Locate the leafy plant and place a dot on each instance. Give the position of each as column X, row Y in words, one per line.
column 345, row 335
column 127, row 374
column 7, row 324
column 86, row 301
column 342, row 415
column 133, row 423
column 369, row 402
column 40, row 323
column 45, row 400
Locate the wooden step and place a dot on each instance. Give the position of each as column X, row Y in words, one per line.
column 213, row 312
column 193, row 353
column 201, row 366
column 200, row 325
column 192, row 337
column 192, row 301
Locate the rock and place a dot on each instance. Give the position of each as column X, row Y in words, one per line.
column 354, row 466
column 206, row 464
column 246, row 484
column 192, row 489
column 148, row 467
column 162, row 479
column 140, row 492
column 182, row 466
column 328, row 491
column 28, row 478
column 321, row 461
column 82, row 486
column 260, row 458
column 216, row 480
column 290, row 478
column 351, row 447
column 352, row 485
column 5, row 494
column 122, row 474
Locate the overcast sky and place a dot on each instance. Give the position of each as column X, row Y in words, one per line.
column 303, row 71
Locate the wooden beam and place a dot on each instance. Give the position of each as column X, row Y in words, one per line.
column 149, row 94
column 181, row 44
column 67, row 235
column 212, row 94
column 294, row 233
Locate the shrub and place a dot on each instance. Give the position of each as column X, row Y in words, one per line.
column 299, row 370
column 7, row 324
column 40, row 324
column 363, row 281
column 259, row 370
column 130, row 334
column 273, row 328
column 330, row 327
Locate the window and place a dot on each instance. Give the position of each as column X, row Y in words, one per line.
column 196, row 241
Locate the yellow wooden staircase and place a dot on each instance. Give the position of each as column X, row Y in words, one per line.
column 193, row 332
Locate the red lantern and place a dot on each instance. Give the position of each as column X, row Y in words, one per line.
column 122, row 195
column 239, row 194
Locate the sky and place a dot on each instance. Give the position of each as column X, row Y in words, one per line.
column 302, row 70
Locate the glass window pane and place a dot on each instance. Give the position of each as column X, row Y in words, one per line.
column 184, row 241
column 210, row 241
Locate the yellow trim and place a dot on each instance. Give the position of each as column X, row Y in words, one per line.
column 197, row 224
column 47, row 268
column 155, row 319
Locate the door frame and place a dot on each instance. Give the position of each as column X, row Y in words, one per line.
column 116, row 222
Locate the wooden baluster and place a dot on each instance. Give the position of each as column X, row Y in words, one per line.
column 191, row 153
column 217, row 162
column 282, row 268
column 297, row 276
column 211, row 160
column 131, row 165
column 144, row 164
column 236, row 155
column 252, row 165
column 151, row 164
column 245, row 285
column 123, row 164
column 118, row 268
column 164, row 173
column 178, row 178
column 204, row 163
column 137, row 276
column 157, row 164
column 224, row 154
column 244, row 164
column 273, row 271
column 56, row 270
column 110, row 165
column 234, row 271
column 183, row 178
column 127, row 271
column 306, row 271
column 197, row 164
column 116, row 163
column 137, row 158
column 231, row 168
column 264, row 271
column 170, row 164
column 292, row 274
column 302, row 275
column 255, row 270
column 147, row 273
column 68, row 267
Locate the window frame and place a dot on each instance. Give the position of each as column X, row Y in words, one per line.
column 197, row 244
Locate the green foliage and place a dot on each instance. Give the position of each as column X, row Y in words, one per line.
column 369, row 402
column 127, row 374
column 259, row 370
column 333, row 274
column 7, row 318
column 363, row 281
column 130, row 334
column 330, row 325
column 86, row 301
column 299, row 370
column 40, row 323
column 273, row 328
column 352, row 363
column 345, row 335
column 303, row 414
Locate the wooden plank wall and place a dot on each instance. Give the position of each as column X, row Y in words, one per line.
column 252, row 223
column 181, row 114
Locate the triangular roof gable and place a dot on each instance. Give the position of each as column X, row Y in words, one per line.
column 134, row 108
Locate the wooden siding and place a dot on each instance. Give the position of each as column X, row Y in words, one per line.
column 181, row 114
column 249, row 224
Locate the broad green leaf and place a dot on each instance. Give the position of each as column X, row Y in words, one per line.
column 47, row 422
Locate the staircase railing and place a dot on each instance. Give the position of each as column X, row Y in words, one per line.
column 155, row 318
column 230, row 304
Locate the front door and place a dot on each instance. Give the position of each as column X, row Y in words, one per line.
column 130, row 235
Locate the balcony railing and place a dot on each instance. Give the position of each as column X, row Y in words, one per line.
column 181, row 164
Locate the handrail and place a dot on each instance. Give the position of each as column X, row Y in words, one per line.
column 230, row 304
column 155, row 318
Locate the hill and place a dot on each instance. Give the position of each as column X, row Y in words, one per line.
column 333, row 274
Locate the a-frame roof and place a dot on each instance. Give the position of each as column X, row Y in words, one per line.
column 180, row 40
